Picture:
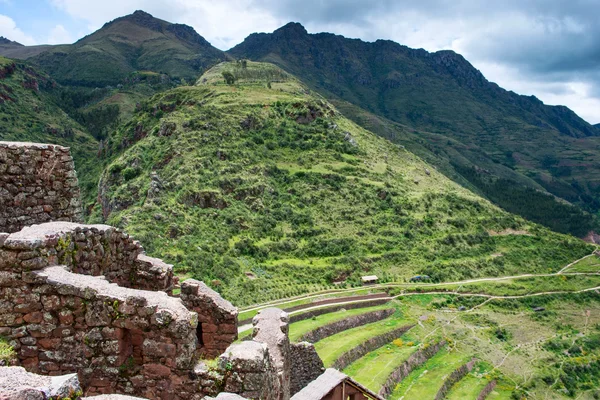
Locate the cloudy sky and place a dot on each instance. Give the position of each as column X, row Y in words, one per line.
column 548, row 48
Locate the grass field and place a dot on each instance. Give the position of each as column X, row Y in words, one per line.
column 471, row 385
column 331, row 348
column 588, row 264
column 249, row 312
column 424, row 382
column 299, row 328
column 373, row 369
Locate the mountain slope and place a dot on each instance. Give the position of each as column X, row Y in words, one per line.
column 28, row 112
column 264, row 190
column 530, row 144
column 137, row 42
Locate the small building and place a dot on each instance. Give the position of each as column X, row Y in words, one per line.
column 369, row 279
column 335, row 385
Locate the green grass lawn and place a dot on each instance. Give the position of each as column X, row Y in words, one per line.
column 471, row 385
column 589, row 264
column 299, row 328
column 331, row 348
column 424, row 382
column 373, row 369
column 292, row 303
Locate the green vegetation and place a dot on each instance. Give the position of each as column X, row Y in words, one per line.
column 29, row 113
column 589, row 264
column 300, row 328
column 331, row 348
column 7, row 353
column 506, row 146
column 270, row 193
column 471, row 385
column 424, row 382
column 373, row 369
column 137, row 43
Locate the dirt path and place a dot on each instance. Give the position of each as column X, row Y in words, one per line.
column 314, row 306
column 344, row 300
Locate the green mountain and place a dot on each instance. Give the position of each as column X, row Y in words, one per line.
column 134, row 43
column 29, row 112
column 263, row 189
column 489, row 137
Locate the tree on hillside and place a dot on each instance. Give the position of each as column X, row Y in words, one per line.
column 229, row 77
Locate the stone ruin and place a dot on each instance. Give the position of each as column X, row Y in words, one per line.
column 37, row 184
column 86, row 300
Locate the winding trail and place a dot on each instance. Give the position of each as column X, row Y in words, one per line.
column 346, row 300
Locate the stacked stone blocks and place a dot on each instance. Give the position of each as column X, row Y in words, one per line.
column 37, row 184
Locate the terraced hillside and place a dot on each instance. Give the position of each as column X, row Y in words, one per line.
column 541, row 344
column 263, row 189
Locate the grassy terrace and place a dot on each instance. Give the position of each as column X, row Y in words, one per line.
column 252, row 311
column 471, row 385
column 300, row 328
column 373, row 369
column 334, row 346
column 588, row 264
column 424, row 382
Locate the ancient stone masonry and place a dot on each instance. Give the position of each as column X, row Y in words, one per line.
column 485, row 392
column 217, row 318
column 37, row 184
column 414, row 361
column 84, row 302
column 67, row 304
column 306, row 366
column 373, row 343
column 454, row 377
column 347, row 323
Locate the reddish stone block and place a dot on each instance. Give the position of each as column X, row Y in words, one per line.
column 209, row 328
column 63, row 331
column 65, row 317
column 154, row 371
column 30, row 364
column 28, row 351
column 48, row 343
column 33, row 318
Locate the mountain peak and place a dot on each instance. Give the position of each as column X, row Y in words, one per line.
column 140, row 18
column 294, row 28
column 4, row 40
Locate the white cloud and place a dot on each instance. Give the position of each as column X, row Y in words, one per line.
column 520, row 45
column 224, row 23
column 9, row 29
column 59, row 35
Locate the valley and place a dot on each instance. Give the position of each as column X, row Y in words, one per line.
column 284, row 170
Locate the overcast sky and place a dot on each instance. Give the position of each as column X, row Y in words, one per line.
column 548, row 48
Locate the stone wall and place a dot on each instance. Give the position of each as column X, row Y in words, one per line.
column 97, row 250
column 453, row 378
column 414, row 361
column 366, row 347
column 327, row 310
column 306, row 366
column 485, row 392
column 248, row 371
column 217, row 318
column 271, row 327
column 354, row 321
column 37, row 184
column 85, row 317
